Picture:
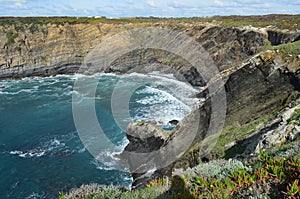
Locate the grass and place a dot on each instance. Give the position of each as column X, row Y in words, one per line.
column 266, row 176
column 289, row 22
column 281, row 21
column 296, row 116
column 235, row 133
column 274, row 174
column 11, row 36
column 290, row 49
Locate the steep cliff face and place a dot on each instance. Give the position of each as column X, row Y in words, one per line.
column 36, row 49
column 33, row 49
column 278, row 37
column 255, row 83
column 258, row 87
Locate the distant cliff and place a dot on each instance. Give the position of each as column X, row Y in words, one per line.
column 48, row 49
column 257, row 81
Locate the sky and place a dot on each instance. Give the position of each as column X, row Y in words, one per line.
column 160, row 8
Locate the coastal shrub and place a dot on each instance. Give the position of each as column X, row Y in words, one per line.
column 234, row 133
column 84, row 191
column 266, row 171
column 296, row 116
column 263, row 177
column 288, row 49
column 287, row 150
column 107, row 192
column 11, row 36
column 219, row 169
column 33, row 28
column 19, row 28
column 45, row 32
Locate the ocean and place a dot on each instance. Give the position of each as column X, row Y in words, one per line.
column 41, row 153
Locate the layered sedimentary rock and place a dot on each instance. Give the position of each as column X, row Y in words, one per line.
column 34, row 49
column 255, row 83
column 258, row 87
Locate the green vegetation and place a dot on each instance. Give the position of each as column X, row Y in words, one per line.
column 61, row 195
column 11, row 36
column 33, row 28
column 235, row 133
column 286, row 50
column 19, row 28
column 275, row 173
column 45, row 32
column 289, row 22
column 266, row 176
column 281, row 21
column 296, row 116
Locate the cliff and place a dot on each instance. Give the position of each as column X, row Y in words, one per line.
column 256, row 81
column 47, row 49
column 263, row 84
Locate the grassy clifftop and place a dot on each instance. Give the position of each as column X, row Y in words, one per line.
column 267, row 176
column 290, row 22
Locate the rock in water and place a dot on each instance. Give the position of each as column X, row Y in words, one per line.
column 143, row 138
column 173, row 122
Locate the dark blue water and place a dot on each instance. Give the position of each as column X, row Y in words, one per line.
column 40, row 150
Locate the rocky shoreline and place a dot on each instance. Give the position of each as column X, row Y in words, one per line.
column 257, row 81
column 50, row 49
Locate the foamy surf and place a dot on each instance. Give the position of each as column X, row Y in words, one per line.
column 45, row 137
column 28, row 153
column 58, row 146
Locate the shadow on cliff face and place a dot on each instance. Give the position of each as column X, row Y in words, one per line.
column 248, row 145
column 178, row 190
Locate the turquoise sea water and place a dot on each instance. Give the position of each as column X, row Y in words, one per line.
column 41, row 153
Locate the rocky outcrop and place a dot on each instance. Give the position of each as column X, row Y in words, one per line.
column 143, row 138
column 280, row 129
column 48, row 49
column 258, row 87
column 43, row 50
column 254, row 87
column 277, row 37
column 284, row 127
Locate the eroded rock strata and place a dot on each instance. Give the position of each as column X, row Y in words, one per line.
column 37, row 49
column 256, row 82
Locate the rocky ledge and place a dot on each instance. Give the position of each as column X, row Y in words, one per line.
column 256, row 82
column 49, row 49
column 260, row 86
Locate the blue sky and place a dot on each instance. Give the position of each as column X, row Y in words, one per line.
column 162, row 8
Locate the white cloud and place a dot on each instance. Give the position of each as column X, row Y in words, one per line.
column 10, row 1
column 14, row 3
column 151, row 3
column 218, row 2
column 164, row 8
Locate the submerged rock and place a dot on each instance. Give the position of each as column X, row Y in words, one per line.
column 174, row 122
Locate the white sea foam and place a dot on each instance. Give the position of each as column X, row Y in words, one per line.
column 163, row 99
column 52, row 147
column 107, row 160
column 82, row 150
column 101, row 166
column 36, row 196
column 161, row 107
column 29, row 153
